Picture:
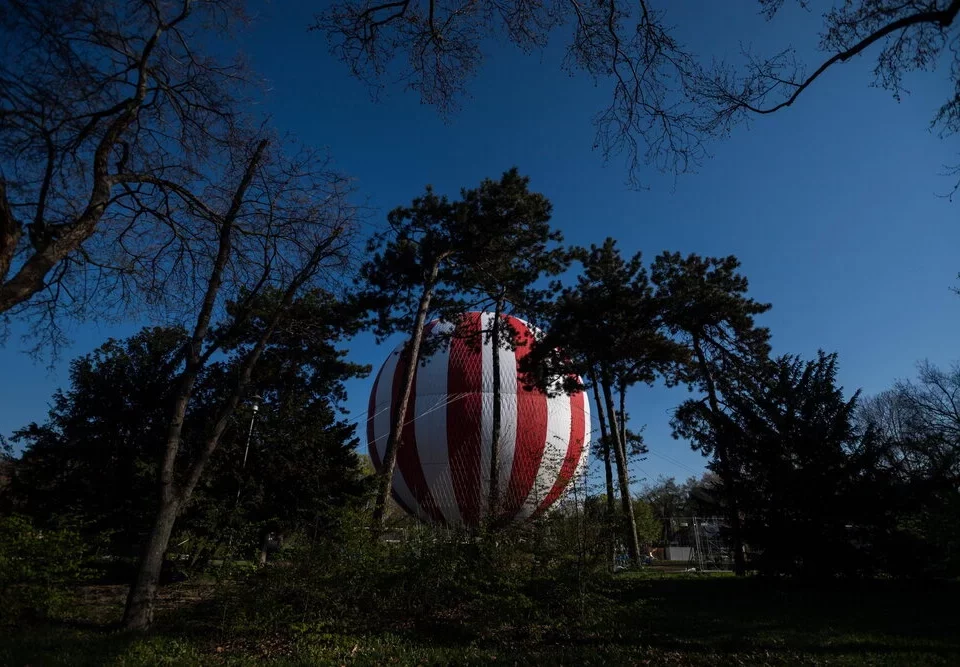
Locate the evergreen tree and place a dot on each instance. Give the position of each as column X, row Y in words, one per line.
column 93, row 463
column 607, row 328
column 801, row 477
column 441, row 257
column 520, row 249
column 703, row 303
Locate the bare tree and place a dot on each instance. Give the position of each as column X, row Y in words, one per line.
column 648, row 120
column 269, row 224
column 102, row 105
column 917, row 423
column 665, row 103
column 935, row 397
column 907, row 35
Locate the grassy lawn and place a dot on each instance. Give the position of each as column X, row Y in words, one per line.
column 663, row 619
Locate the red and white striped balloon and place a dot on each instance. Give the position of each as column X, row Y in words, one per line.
column 443, row 462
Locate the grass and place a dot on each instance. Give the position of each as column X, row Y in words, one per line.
column 661, row 619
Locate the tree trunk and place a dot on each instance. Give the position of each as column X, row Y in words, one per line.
column 726, row 470
column 494, row 499
column 607, row 469
column 138, row 614
column 630, row 524
column 264, row 542
column 396, row 428
column 139, row 611
column 622, row 391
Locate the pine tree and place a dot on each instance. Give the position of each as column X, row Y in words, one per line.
column 519, row 250
column 607, row 328
column 703, row 302
column 444, row 257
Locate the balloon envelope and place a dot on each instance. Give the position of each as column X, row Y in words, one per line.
column 443, row 466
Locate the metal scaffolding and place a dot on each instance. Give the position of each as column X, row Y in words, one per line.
column 701, row 541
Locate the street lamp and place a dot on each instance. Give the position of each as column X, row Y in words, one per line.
column 256, row 407
column 255, row 400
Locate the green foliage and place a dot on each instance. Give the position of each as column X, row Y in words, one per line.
column 694, row 497
column 447, row 583
column 94, row 462
column 513, row 248
column 493, row 243
column 638, row 618
column 608, row 322
column 38, row 569
column 704, row 304
column 649, row 528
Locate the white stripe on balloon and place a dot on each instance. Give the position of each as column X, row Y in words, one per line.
column 554, row 451
column 431, row 427
column 382, row 430
column 508, row 418
column 486, row 409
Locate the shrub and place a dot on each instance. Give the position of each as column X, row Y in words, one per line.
column 507, row 585
column 38, row 569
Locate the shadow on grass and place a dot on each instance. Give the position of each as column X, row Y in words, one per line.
column 666, row 620
column 824, row 618
column 67, row 643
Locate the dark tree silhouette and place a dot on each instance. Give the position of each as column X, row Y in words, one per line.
column 512, row 225
column 791, row 432
column 913, row 439
column 403, row 283
column 608, row 329
column 275, row 224
column 93, row 462
column 106, row 109
column 443, row 257
column 704, row 304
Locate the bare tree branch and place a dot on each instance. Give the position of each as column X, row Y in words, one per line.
column 85, row 95
column 665, row 106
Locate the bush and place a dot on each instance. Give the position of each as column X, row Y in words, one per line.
column 38, row 569
column 451, row 584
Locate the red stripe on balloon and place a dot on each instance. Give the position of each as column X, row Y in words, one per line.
column 575, row 446
column 408, row 458
column 531, row 431
column 464, row 390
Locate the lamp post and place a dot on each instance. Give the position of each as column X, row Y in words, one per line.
column 255, row 400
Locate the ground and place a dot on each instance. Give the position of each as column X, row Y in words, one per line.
column 666, row 619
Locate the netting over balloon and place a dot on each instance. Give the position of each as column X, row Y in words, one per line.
column 443, row 463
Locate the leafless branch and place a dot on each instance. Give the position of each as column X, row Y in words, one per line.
column 86, row 95
column 914, row 33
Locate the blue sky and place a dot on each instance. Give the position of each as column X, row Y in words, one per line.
column 831, row 205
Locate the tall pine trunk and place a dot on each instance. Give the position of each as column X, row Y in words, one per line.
column 607, row 469
column 622, row 391
column 412, row 352
column 630, row 524
column 493, row 502
column 723, row 459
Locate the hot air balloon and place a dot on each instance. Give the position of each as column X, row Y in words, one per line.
column 443, row 466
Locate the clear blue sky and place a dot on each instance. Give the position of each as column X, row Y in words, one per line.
column 830, row 205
